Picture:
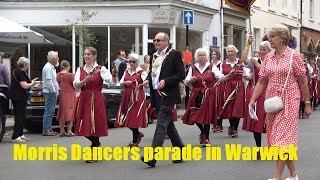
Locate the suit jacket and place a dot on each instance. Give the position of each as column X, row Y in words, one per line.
column 172, row 72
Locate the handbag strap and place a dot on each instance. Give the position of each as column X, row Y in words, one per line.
column 285, row 83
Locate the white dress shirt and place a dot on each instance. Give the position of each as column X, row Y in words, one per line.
column 104, row 73
column 216, row 72
column 246, row 71
column 155, row 80
column 143, row 74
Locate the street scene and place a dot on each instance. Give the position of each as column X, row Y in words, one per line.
column 160, row 89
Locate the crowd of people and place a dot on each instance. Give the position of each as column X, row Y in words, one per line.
column 217, row 86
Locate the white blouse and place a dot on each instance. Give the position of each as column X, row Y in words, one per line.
column 246, row 71
column 104, row 73
column 143, row 74
column 216, row 72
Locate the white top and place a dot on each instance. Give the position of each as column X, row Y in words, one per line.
column 143, row 74
column 216, row 72
column 246, row 71
column 104, row 73
column 155, row 80
column 49, row 73
column 310, row 70
column 218, row 62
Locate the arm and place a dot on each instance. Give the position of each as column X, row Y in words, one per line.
column 178, row 75
column 244, row 55
column 189, row 77
column 106, row 76
column 260, row 86
column 6, row 76
column 77, row 83
column 26, row 85
column 51, row 87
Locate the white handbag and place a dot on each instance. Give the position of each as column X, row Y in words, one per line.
column 275, row 104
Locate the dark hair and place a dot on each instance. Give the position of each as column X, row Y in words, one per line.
column 217, row 53
column 121, row 50
column 92, row 50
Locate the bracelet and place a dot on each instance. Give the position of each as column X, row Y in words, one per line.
column 307, row 102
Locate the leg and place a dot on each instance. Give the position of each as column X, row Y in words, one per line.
column 135, row 133
column 200, row 126
column 279, row 169
column 206, row 133
column 62, row 131
column 234, row 133
column 69, row 127
column 50, row 103
column 201, row 136
column 291, row 167
column 231, row 126
column 95, row 142
column 19, row 108
column 257, row 138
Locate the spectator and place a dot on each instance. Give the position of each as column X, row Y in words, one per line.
column 50, row 92
column 20, row 84
column 4, row 88
column 120, row 58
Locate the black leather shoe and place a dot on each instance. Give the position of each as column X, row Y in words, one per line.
column 149, row 163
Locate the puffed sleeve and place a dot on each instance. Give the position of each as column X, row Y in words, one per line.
column 144, row 75
column 216, row 72
column 106, row 75
column 189, row 75
column 297, row 65
column 76, row 77
column 263, row 71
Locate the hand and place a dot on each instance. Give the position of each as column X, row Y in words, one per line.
column 307, row 110
column 250, row 40
column 232, row 72
column 193, row 79
column 249, row 77
column 127, row 83
column 146, row 84
column 35, row 79
column 161, row 84
column 252, row 103
column 88, row 78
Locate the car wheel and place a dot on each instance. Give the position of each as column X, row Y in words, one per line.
column 150, row 120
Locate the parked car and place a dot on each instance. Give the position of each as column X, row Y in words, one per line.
column 36, row 103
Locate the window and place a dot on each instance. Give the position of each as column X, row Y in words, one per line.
column 269, row 3
column 284, row 6
column 311, row 9
column 256, row 40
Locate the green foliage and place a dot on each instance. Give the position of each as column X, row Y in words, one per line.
column 84, row 36
column 15, row 57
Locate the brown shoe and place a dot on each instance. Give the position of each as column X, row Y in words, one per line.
column 140, row 136
column 206, row 141
column 133, row 145
column 234, row 134
column 201, row 138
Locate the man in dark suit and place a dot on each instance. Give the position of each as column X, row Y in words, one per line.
column 166, row 71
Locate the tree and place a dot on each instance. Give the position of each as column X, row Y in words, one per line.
column 84, row 36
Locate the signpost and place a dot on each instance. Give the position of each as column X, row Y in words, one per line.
column 188, row 19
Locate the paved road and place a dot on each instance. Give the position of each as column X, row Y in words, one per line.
column 307, row 165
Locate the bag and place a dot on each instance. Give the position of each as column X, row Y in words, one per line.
column 275, row 104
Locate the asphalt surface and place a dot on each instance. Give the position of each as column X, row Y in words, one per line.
column 307, row 166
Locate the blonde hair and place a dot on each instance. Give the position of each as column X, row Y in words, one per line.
column 282, row 31
column 65, row 64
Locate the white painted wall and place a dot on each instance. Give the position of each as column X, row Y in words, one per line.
column 312, row 23
column 286, row 13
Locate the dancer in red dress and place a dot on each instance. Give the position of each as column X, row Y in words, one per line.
column 201, row 108
column 91, row 116
column 215, row 60
column 233, row 91
column 255, row 126
column 133, row 109
column 314, row 85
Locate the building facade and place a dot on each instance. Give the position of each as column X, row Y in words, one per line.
column 310, row 30
column 266, row 13
column 129, row 25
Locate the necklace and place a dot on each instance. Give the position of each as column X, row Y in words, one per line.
column 156, row 64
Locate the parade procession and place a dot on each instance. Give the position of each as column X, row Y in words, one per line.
column 160, row 89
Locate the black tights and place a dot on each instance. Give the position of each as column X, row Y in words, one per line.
column 257, row 138
column 135, row 133
column 95, row 142
column 302, row 105
column 205, row 129
column 234, row 123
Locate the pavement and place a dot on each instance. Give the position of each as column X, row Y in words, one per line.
column 307, row 165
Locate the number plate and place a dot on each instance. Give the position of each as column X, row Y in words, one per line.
column 37, row 99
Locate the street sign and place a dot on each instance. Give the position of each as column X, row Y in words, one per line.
column 188, row 17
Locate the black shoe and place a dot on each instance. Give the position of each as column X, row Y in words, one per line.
column 149, row 163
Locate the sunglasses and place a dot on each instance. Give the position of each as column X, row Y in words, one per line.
column 133, row 62
column 158, row 40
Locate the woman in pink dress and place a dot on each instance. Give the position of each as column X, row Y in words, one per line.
column 201, row 108
column 232, row 94
column 67, row 99
column 91, row 116
column 133, row 109
column 255, row 126
column 282, row 126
